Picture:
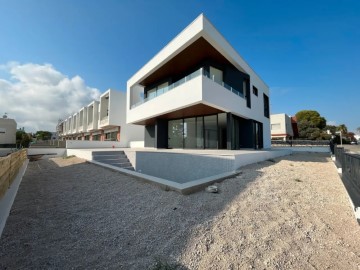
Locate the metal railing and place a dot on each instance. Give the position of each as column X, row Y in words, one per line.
column 350, row 165
column 299, row 143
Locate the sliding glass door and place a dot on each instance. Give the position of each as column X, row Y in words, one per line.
column 201, row 132
column 211, row 132
column 176, row 134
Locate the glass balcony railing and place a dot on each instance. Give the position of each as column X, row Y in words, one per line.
column 187, row 78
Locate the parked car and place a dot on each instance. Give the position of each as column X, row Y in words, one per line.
column 353, row 142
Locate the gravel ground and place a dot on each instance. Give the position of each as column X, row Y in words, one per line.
column 287, row 213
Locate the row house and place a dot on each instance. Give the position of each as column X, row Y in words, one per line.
column 103, row 120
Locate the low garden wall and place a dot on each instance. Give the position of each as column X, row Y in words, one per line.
column 9, row 167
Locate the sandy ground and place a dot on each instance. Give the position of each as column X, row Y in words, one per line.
column 287, row 213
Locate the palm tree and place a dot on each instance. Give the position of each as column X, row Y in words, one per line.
column 342, row 128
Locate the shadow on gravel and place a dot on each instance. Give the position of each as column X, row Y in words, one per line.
column 84, row 216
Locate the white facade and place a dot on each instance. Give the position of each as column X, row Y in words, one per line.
column 93, row 115
column 212, row 79
column 7, row 131
column 111, row 109
column 281, row 127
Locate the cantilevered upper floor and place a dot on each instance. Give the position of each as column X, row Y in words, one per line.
column 198, row 72
column 199, row 87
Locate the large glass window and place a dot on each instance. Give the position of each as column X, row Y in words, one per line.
column 266, row 106
column 190, row 133
column 235, row 140
column 111, row 136
column 216, row 75
column 151, row 93
column 96, row 137
column 222, row 127
column 175, row 133
column 200, row 132
column 211, row 131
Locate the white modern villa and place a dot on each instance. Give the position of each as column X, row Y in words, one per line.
column 7, row 132
column 281, row 128
column 199, row 93
column 103, row 120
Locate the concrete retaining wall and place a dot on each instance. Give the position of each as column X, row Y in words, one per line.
column 85, row 154
column 182, row 168
column 55, row 152
column 137, row 144
column 91, row 144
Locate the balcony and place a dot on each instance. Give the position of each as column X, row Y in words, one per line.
column 104, row 121
column 187, row 78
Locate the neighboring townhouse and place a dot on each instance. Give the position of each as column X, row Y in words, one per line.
column 281, row 127
column 103, row 120
column 7, row 132
column 199, row 93
column 93, row 133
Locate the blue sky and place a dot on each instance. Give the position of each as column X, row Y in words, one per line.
column 308, row 52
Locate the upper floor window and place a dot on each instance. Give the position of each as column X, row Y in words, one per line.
column 255, row 91
column 266, row 106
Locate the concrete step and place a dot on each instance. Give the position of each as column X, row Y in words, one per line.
column 111, row 159
column 107, row 153
column 120, row 165
column 114, row 158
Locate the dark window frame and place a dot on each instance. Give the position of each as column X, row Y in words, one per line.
column 266, row 106
column 255, row 91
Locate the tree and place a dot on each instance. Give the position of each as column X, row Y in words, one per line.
column 310, row 125
column 43, row 135
column 358, row 130
column 313, row 117
column 342, row 128
column 331, row 128
column 22, row 138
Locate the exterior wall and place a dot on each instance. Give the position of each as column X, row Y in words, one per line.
column 83, row 120
column 281, row 126
column 115, row 104
column 92, row 116
column 7, row 131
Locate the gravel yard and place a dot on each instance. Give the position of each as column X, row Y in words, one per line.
column 287, row 213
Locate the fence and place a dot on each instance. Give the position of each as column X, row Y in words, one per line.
column 350, row 167
column 9, row 167
column 48, row 144
column 299, row 143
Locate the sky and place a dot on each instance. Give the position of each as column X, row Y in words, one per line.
column 58, row 56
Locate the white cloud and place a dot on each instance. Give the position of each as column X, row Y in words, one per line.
column 36, row 96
